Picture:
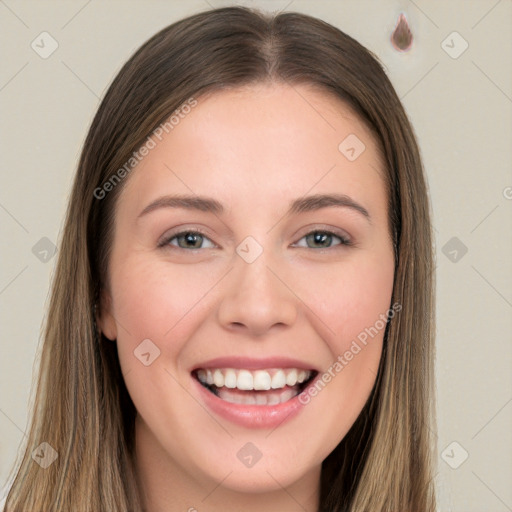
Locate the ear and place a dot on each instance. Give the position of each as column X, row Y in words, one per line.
column 104, row 318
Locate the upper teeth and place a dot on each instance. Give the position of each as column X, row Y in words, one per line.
column 257, row 380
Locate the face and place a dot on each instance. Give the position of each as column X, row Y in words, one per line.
column 268, row 304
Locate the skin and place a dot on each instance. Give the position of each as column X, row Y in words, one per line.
column 253, row 149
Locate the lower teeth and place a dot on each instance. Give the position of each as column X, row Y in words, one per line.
column 256, row 397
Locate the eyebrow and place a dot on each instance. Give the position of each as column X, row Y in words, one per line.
column 300, row 205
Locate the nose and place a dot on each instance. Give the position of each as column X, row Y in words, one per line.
column 257, row 298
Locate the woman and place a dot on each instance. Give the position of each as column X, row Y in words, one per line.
column 242, row 312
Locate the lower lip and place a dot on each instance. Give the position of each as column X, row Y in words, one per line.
column 251, row 416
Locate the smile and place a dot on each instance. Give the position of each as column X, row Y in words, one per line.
column 264, row 387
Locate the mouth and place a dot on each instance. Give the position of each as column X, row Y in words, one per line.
column 262, row 387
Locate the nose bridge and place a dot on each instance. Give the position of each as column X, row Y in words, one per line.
column 254, row 276
column 252, row 261
column 255, row 297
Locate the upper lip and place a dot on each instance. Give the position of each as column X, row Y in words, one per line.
column 247, row 363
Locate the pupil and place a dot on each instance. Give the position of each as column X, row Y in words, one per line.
column 191, row 238
column 320, row 238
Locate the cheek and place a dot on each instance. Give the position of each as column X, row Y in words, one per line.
column 353, row 302
column 157, row 301
column 353, row 298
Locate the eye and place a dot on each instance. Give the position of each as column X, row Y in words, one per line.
column 192, row 239
column 321, row 239
column 186, row 240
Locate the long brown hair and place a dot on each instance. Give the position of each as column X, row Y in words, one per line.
column 82, row 407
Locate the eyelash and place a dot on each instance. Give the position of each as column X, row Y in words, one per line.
column 344, row 241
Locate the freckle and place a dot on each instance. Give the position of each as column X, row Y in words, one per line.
column 401, row 38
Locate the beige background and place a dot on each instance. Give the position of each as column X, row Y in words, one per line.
column 461, row 109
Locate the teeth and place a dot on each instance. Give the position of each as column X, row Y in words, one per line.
column 218, row 378
column 278, row 380
column 273, row 400
column 244, row 381
column 230, row 378
column 259, row 380
column 257, row 399
column 261, row 399
column 291, row 378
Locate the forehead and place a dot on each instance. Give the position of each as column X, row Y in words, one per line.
column 262, row 141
